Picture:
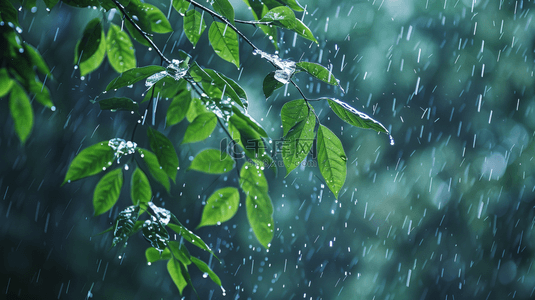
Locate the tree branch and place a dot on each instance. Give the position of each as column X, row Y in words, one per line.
column 141, row 31
column 227, row 22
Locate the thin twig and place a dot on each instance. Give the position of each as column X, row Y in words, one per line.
column 141, row 31
column 254, row 23
column 227, row 22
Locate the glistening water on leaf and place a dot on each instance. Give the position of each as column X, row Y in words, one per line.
column 107, row 191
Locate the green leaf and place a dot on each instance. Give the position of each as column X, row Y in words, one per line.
column 194, row 25
column 118, row 103
column 249, row 139
column 8, row 13
column 271, row 84
column 195, row 109
column 107, row 191
column 201, row 128
column 178, row 108
column 206, row 269
column 181, row 6
column 90, row 161
column 302, row 30
column 281, row 16
column 50, row 3
column 354, row 117
column 155, row 233
column 5, row 82
column 132, row 76
column 225, row 42
column 155, row 169
column 41, row 92
column 36, row 59
column 318, row 71
column 250, row 121
column 224, row 8
column 138, row 37
column 293, row 4
column 237, row 88
column 222, row 85
column 124, row 224
column 180, row 252
column 220, row 207
column 165, row 152
column 190, row 236
column 121, row 53
column 257, row 203
column 331, row 159
column 91, row 48
column 298, row 142
column 153, row 255
column 21, row 112
column 212, row 161
column 140, row 190
column 176, row 271
column 293, row 112
column 158, row 21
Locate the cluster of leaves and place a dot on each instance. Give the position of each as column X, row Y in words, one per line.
column 20, row 65
column 205, row 98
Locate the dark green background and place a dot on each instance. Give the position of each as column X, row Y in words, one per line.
column 445, row 213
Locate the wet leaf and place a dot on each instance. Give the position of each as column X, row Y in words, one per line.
column 271, row 84
column 220, row 207
column 154, row 167
column 293, row 4
column 118, row 103
column 158, row 21
column 332, row 159
column 212, row 161
column 155, row 233
column 195, row 109
column 36, row 59
column 190, row 236
column 140, row 190
column 224, row 8
column 180, row 252
column 41, row 92
column 8, row 13
column 132, row 76
column 165, row 152
column 90, row 161
column 153, row 255
column 178, row 108
column 302, row 30
column 194, row 25
column 176, row 271
column 107, row 191
column 91, row 49
column 206, row 269
column 293, row 112
column 5, row 82
column 201, row 128
column 225, row 42
column 281, row 16
column 257, row 203
column 21, row 112
column 238, row 89
column 250, row 121
column 120, row 50
column 354, row 117
column 181, row 6
column 318, row 71
column 124, row 224
column 298, row 142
